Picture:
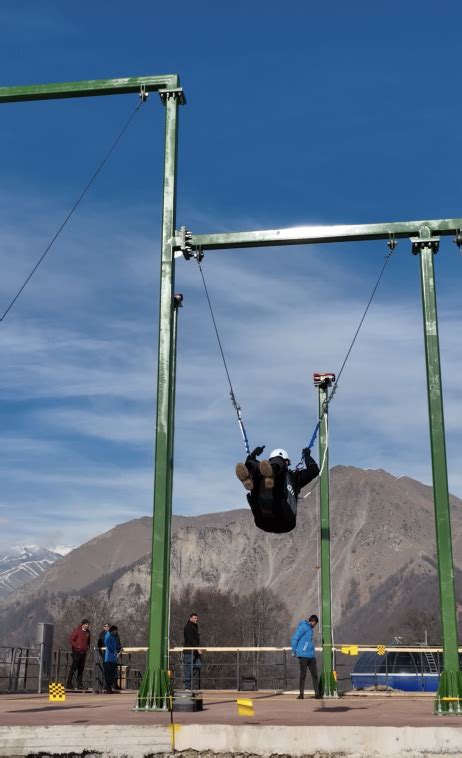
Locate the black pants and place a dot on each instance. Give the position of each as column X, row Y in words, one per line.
column 271, row 511
column 78, row 664
column 309, row 663
column 110, row 674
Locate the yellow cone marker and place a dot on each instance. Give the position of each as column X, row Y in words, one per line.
column 245, row 707
column 56, row 692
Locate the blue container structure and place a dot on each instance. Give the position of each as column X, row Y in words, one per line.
column 411, row 672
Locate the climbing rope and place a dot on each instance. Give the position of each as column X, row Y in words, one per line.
column 391, row 245
column 236, row 405
column 143, row 96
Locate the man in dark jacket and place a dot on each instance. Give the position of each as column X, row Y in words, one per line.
column 274, row 488
column 101, row 639
column 192, row 661
column 79, row 640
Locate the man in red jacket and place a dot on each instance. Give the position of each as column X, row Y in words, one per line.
column 79, row 640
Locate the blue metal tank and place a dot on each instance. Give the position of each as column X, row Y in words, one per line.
column 411, row 672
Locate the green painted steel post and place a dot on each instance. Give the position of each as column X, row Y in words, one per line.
column 177, row 303
column 450, row 685
column 328, row 684
column 155, row 687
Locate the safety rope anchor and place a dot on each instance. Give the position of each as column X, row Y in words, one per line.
column 143, row 94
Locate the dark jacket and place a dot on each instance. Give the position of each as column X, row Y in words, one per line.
column 100, row 644
column 79, row 639
column 298, row 477
column 191, row 636
column 275, row 509
column 302, row 477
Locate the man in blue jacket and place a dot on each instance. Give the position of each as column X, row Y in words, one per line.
column 303, row 647
column 111, row 653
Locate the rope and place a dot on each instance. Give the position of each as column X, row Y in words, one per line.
column 329, row 399
column 76, row 204
column 236, row 405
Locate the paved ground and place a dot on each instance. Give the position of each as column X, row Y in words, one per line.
column 220, row 708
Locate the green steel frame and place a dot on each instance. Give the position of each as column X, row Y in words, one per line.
column 328, row 681
column 155, row 689
column 421, row 233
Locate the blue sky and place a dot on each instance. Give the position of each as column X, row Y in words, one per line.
column 296, row 114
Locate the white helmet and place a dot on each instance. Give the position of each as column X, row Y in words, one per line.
column 280, row 453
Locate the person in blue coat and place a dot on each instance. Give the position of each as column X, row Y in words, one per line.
column 111, row 653
column 303, row 647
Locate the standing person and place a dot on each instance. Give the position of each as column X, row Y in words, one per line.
column 303, row 647
column 274, row 487
column 111, row 652
column 101, row 637
column 192, row 661
column 79, row 640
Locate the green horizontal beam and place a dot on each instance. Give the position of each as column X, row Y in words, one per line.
column 306, row 235
column 88, row 88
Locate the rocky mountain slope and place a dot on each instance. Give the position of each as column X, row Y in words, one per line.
column 383, row 550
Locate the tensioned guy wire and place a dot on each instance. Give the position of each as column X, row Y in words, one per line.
column 76, row 204
column 236, row 405
column 335, row 386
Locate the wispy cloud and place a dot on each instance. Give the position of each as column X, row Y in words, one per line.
column 79, row 363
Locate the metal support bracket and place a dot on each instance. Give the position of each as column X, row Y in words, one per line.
column 178, row 300
column 424, row 240
column 143, row 94
column 186, row 247
column 458, row 239
column 324, row 379
column 166, row 94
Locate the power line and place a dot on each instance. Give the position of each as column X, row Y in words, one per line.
column 76, row 204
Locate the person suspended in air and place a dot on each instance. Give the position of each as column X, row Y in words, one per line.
column 274, row 487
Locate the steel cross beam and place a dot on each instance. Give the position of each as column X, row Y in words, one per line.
column 309, row 235
column 91, row 88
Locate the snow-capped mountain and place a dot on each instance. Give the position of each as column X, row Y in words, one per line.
column 25, row 562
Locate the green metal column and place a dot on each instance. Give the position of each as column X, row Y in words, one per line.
column 177, row 303
column 155, row 687
column 450, row 686
column 328, row 684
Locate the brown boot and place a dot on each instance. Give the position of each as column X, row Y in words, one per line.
column 267, row 473
column 243, row 474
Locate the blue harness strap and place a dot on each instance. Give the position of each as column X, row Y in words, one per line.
column 314, row 435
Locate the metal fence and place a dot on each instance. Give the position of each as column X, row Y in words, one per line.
column 221, row 668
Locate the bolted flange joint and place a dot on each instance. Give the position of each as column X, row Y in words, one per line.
column 167, row 94
column 186, row 248
column 419, row 243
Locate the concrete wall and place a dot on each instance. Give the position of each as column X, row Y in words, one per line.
column 189, row 741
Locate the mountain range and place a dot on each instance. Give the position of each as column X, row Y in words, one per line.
column 382, row 554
